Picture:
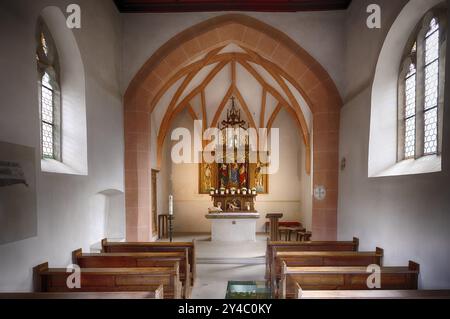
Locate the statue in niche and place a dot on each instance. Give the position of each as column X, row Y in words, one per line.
column 258, row 178
column 207, row 173
column 242, row 175
column 223, row 175
column 207, row 177
column 234, row 175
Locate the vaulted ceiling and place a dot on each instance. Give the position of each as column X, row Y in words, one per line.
column 230, row 5
column 204, row 87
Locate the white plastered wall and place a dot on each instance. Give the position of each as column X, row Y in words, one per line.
column 407, row 215
column 66, row 204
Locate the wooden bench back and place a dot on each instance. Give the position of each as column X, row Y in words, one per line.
column 274, row 246
column 322, row 258
column 110, row 280
column 345, row 278
column 143, row 247
column 157, row 293
column 136, row 260
column 371, row 294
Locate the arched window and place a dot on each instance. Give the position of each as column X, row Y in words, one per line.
column 421, row 89
column 49, row 93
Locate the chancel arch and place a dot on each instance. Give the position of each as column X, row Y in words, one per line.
column 230, row 47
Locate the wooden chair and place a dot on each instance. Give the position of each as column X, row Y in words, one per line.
column 303, row 235
column 287, row 231
column 284, row 224
column 284, row 233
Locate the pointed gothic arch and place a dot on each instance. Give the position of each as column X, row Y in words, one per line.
column 269, row 47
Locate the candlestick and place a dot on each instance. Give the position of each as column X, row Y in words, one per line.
column 170, row 205
column 171, row 227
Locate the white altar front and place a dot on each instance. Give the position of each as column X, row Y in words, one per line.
column 235, row 226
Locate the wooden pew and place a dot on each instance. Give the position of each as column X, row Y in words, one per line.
column 274, row 246
column 110, row 280
column 157, row 293
column 371, row 294
column 137, row 260
column 322, row 258
column 345, row 278
column 143, row 247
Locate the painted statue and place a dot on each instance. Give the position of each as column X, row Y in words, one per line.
column 223, row 175
column 207, row 173
column 259, row 178
column 242, row 175
column 234, row 175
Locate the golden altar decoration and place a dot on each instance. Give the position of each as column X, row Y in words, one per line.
column 236, row 173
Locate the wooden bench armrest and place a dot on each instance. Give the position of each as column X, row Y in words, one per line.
column 356, row 242
column 104, row 241
column 75, row 255
column 413, row 266
column 37, row 278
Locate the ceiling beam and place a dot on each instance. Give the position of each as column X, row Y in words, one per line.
column 233, row 72
column 201, row 87
column 263, row 108
column 273, row 116
column 296, row 106
column 263, row 83
column 191, row 69
column 169, row 115
column 160, row 6
column 192, row 112
column 204, row 114
column 244, row 106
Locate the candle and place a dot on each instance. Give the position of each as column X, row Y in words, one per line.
column 170, row 205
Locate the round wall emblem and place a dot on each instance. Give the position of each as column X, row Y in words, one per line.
column 320, row 192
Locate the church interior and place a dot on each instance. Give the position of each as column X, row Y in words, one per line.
column 222, row 149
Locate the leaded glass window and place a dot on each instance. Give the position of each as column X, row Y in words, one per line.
column 410, row 112
column 431, row 88
column 48, row 68
column 47, row 108
column 421, row 83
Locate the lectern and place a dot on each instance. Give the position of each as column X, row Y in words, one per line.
column 274, row 225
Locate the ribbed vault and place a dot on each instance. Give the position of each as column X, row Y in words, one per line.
column 205, row 86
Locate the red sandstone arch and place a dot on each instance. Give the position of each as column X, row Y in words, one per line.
column 280, row 53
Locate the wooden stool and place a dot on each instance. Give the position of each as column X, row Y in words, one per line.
column 284, row 231
column 163, row 225
column 303, row 235
column 300, row 235
column 307, row 236
column 292, row 229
